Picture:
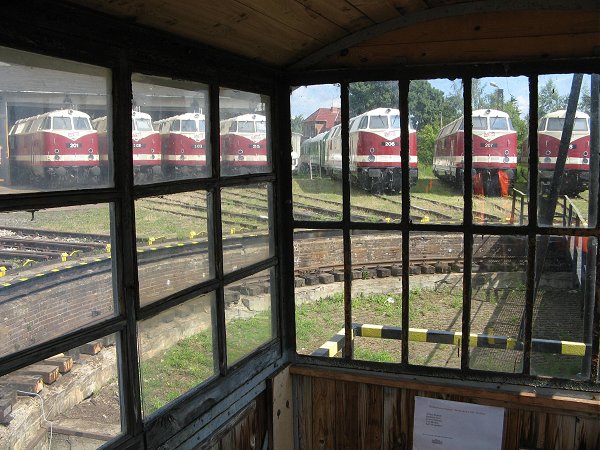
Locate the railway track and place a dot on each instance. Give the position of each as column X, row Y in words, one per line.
column 22, row 246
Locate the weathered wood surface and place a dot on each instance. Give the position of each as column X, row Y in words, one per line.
column 26, row 383
column 344, row 413
column 246, row 431
column 64, row 363
column 49, row 373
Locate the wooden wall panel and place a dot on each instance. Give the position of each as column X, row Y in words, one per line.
column 377, row 414
column 246, row 431
column 323, row 418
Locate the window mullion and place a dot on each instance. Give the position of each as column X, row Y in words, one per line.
column 126, row 286
column 467, row 221
column 594, row 202
column 215, row 234
column 526, row 328
column 403, row 87
column 345, row 121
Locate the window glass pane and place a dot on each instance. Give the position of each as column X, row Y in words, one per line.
column 500, row 111
column 169, row 139
column 435, row 299
column 64, row 152
column 246, row 215
column 376, row 295
column 316, row 155
column 572, row 187
column 564, row 306
column 435, row 107
column 245, row 140
column 248, row 314
column 56, row 273
column 498, row 284
column 173, row 244
column 319, row 290
column 177, row 351
column 375, row 163
column 77, row 403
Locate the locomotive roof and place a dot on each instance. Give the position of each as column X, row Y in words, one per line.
column 317, row 137
column 246, row 117
column 561, row 113
column 487, row 112
column 184, row 116
column 57, row 113
column 380, row 112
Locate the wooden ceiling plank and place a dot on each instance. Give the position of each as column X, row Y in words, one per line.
column 297, row 16
column 382, row 10
column 339, row 12
column 485, row 50
column 483, row 26
column 456, row 10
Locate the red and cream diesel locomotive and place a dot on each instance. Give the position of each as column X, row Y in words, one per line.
column 145, row 146
column 244, row 147
column 494, row 155
column 183, row 142
column 375, row 161
column 576, row 175
column 54, row 148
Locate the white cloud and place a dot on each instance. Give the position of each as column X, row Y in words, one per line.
column 307, row 99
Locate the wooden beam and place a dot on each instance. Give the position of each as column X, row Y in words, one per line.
column 441, row 12
column 524, row 397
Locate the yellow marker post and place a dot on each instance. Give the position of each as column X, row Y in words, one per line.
column 64, row 256
column 2, row 271
column 108, row 248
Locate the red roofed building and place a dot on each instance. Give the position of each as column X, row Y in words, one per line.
column 319, row 121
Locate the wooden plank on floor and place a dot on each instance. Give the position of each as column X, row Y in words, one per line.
column 49, row 373
column 91, row 348
column 25, row 383
column 64, row 363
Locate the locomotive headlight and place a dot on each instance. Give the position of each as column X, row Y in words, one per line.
column 91, row 157
column 371, row 158
column 506, row 159
column 372, row 150
column 56, row 158
column 90, row 150
column 547, row 152
column 585, row 153
column 152, row 156
column 241, row 157
column 56, row 150
column 506, row 152
column 182, row 151
column 151, row 150
column 240, row 152
column 586, row 161
column 546, row 160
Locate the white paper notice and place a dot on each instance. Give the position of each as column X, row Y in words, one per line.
column 447, row 425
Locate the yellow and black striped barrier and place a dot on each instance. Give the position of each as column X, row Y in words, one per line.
column 336, row 343
column 333, row 346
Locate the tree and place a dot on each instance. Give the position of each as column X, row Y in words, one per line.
column 296, row 124
column 585, row 102
column 549, row 99
column 426, row 140
column 367, row 95
column 424, row 104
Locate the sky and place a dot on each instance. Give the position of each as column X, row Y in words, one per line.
column 305, row 100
